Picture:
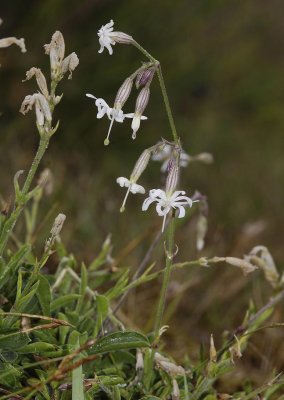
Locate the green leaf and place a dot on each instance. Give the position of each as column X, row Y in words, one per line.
column 119, row 341
column 102, row 257
column 44, row 295
column 119, row 287
column 63, row 301
column 83, row 286
column 36, row 347
column 77, row 379
column 15, row 262
column 102, row 312
column 14, row 340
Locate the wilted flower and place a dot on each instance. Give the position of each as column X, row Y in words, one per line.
column 40, row 78
column 108, row 38
column 168, row 366
column 6, row 42
column 112, row 113
column 42, row 109
column 56, row 51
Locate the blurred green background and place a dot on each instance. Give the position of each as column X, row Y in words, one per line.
column 223, row 63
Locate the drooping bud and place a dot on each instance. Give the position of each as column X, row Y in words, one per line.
column 40, row 78
column 173, row 176
column 69, row 64
column 145, row 76
column 140, row 165
column 141, row 104
column 123, row 93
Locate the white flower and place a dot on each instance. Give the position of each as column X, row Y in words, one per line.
column 108, row 38
column 166, row 201
column 165, row 154
column 112, row 113
column 105, row 38
column 132, row 186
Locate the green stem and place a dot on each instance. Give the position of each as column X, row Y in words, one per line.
column 166, row 279
column 11, row 221
column 163, row 90
column 167, row 104
column 43, row 144
column 162, row 299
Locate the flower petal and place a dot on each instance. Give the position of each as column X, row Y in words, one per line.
column 123, row 182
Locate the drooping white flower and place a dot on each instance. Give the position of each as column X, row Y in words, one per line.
column 132, row 186
column 108, row 38
column 167, row 201
column 112, row 113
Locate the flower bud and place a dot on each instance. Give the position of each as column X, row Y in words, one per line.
column 139, row 360
column 121, row 37
column 69, row 64
column 173, row 176
column 123, row 93
column 142, row 100
column 140, row 165
column 40, row 78
column 145, row 76
column 55, row 231
column 58, row 224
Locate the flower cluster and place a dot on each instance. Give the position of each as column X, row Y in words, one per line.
column 169, row 201
column 143, row 77
column 44, row 101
